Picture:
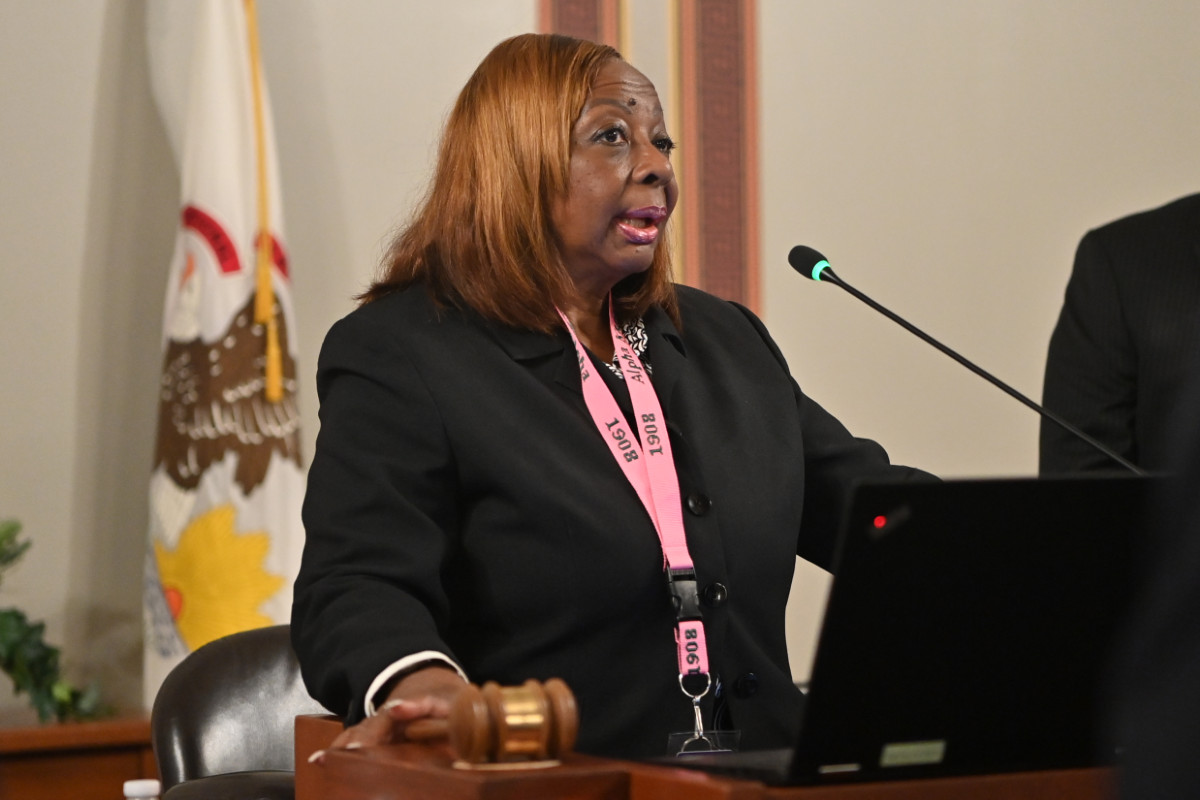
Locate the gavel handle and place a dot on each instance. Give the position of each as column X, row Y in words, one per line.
column 427, row 728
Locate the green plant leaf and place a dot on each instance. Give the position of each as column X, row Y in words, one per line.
column 10, row 549
column 29, row 661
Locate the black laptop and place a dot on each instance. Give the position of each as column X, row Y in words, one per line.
column 968, row 631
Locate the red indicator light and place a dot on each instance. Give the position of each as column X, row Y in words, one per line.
column 880, row 521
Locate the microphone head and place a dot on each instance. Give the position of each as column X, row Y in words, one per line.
column 807, row 262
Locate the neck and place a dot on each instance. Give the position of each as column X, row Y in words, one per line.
column 590, row 320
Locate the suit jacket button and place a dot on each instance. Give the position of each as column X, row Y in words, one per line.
column 714, row 594
column 746, row 685
column 698, row 504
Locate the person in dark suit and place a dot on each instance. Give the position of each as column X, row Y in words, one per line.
column 1157, row 714
column 539, row 458
column 1119, row 357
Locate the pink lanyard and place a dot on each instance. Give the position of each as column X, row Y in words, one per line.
column 650, row 468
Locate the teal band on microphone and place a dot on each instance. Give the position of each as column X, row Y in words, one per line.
column 818, row 268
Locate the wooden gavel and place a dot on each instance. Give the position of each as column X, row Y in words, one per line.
column 531, row 722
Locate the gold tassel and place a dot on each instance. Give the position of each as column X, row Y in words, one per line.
column 274, row 373
column 264, row 295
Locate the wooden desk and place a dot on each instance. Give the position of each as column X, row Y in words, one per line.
column 423, row 772
column 79, row 760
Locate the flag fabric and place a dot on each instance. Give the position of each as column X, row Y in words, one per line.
column 225, row 492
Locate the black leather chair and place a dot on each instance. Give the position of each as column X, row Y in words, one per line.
column 224, row 719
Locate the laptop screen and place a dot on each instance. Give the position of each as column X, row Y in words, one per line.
column 968, row 628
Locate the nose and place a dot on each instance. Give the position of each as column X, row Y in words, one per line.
column 653, row 166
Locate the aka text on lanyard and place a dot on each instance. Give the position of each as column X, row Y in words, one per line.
column 650, row 468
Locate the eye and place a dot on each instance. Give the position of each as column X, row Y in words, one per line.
column 666, row 144
column 613, row 135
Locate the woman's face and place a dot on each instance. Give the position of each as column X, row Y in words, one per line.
column 621, row 186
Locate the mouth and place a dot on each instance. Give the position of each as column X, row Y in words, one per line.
column 640, row 226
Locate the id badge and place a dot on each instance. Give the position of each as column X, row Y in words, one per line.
column 694, row 743
column 698, row 740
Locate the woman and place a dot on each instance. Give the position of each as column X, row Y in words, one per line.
column 474, row 510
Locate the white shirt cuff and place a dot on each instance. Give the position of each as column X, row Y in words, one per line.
column 408, row 664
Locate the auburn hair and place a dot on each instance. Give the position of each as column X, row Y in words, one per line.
column 482, row 237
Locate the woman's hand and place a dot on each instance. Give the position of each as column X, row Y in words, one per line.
column 426, row 693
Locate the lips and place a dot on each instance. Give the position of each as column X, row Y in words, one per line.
column 640, row 226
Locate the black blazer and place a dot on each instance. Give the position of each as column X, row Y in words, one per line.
column 1120, row 354
column 1157, row 713
column 461, row 500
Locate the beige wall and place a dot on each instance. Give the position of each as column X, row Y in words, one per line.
column 82, row 235
column 946, row 155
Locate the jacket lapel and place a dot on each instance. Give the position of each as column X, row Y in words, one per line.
column 668, row 355
column 550, row 356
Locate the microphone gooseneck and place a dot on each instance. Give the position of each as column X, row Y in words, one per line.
column 814, row 266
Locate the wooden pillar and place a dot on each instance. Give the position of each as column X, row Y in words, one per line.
column 594, row 20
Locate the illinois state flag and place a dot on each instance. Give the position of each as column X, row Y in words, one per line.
column 225, row 533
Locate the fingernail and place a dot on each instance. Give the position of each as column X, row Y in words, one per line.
column 317, row 756
column 393, row 704
column 354, row 745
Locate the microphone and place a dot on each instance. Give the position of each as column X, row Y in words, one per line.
column 814, row 266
